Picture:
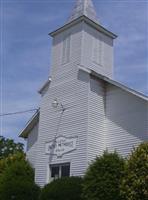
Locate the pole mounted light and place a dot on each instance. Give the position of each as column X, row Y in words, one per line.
column 56, row 104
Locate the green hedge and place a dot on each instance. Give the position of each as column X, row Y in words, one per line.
column 103, row 177
column 135, row 180
column 69, row 188
column 109, row 177
column 19, row 190
column 17, row 182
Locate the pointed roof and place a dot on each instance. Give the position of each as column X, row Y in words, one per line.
column 84, row 7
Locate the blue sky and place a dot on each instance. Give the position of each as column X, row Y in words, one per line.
column 25, row 49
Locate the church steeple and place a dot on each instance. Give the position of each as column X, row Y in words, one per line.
column 84, row 7
column 83, row 41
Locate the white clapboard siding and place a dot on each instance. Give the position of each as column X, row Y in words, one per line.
column 96, row 134
column 70, row 87
column 73, row 123
column 101, row 116
column 32, row 145
column 105, row 65
column 61, row 71
column 126, row 120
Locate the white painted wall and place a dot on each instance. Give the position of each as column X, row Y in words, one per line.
column 62, row 72
column 126, row 120
column 91, row 37
column 118, row 120
column 70, row 87
column 100, row 115
column 32, row 145
column 71, row 123
column 96, row 117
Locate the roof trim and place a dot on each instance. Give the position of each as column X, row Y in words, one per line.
column 88, row 21
column 44, row 86
column 30, row 124
column 35, row 118
column 113, row 82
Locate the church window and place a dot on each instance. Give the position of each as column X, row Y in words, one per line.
column 97, row 50
column 60, row 170
column 66, row 49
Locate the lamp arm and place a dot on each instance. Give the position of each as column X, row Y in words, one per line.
column 63, row 109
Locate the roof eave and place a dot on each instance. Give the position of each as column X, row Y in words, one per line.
column 113, row 82
column 29, row 126
column 88, row 21
column 44, row 86
column 120, row 85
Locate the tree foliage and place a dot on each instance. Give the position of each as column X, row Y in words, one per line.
column 103, row 177
column 68, row 188
column 135, row 181
column 6, row 162
column 17, row 180
column 9, row 147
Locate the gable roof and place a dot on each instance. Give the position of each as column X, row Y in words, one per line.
column 86, row 20
column 115, row 83
column 30, row 125
column 35, row 118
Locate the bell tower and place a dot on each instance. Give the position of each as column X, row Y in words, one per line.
column 79, row 46
column 83, row 41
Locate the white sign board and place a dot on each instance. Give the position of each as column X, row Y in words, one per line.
column 60, row 146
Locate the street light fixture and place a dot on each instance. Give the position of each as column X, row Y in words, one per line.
column 56, row 104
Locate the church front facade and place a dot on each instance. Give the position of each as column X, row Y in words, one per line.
column 83, row 110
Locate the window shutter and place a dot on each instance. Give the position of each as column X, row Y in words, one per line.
column 97, row 50
column 66, row 49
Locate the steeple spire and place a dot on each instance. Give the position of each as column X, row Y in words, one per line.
column 84, row 7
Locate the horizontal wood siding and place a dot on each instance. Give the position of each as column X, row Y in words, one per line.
column 91, row 36
column 126, row 120
column 71, row 123
column 32, row 145
column 70, row 87
column 96, row 134
column 62, row 71
column 100, row 115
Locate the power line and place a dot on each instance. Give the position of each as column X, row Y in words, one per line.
column 18, row 112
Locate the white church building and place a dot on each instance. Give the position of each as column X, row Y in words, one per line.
column 83, row 110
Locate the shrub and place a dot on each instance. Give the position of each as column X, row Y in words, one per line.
column 68, row 188
column 17, row 182
column 135, row 181
column 9, row 147
column 6, row 162
column 103, row 177
column 19, row 190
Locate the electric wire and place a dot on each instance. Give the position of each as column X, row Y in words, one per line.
column 18, row 112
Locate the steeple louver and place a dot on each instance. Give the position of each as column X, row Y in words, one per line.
column 84, row 7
